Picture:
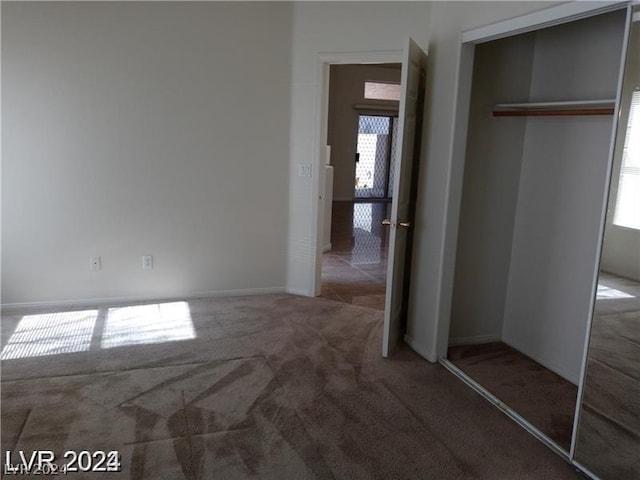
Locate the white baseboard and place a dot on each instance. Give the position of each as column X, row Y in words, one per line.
column 327, row 247
column 475, row 340
column 297, row 291
column 108, row 301
column 480, row 339
column 420, row 349
column 564, row 373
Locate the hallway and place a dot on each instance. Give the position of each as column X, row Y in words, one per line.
column 354, row 270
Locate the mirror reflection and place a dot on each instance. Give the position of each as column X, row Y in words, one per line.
column 608, row 441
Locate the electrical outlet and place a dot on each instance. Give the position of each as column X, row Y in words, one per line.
column 147, row 262
column 95, row 264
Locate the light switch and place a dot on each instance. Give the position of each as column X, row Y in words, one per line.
column 304, row 170
column 147, row 262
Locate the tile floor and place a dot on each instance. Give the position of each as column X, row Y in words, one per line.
column 355, row 269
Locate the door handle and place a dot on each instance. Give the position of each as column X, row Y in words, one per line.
column 386, row 221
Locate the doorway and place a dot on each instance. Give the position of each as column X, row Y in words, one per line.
column 362, row 132
column 411, row 105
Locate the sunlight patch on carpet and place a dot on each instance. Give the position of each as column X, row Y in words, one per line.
column 605, row 293
column 144, row 324
column 51, row 334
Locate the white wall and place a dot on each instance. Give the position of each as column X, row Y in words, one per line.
column 434, row 236
column 502, row 73
column 133, row 128
column 346, row 88
column 163, row 167
column 323, row 28
column 561, row 188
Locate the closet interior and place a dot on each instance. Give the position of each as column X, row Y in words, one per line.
column 535, row 182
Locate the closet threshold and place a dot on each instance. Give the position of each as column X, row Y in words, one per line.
column 554, row 109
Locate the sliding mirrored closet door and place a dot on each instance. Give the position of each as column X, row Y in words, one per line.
column 608, row 439
column 537, row 156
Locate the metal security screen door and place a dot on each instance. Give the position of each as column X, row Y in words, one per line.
column 375, row 157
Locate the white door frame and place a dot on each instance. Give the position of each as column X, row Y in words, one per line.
column 325, row 60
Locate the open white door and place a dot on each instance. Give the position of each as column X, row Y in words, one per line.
column 404, row 188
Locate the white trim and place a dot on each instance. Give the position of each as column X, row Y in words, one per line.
column 316, row 215
column 297, row 291
column 548, row 365
column 475, row 340
column 420, row 349
column 327, row 247
column 105, row 301
column 564, row 13
column 453, row 194
column 324, row 60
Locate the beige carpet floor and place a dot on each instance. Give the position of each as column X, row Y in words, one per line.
column 609, row 434
column 273, row 386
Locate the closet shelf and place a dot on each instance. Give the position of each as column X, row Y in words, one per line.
column 554, row 109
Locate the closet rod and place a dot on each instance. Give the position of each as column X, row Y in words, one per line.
column 563, row 112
